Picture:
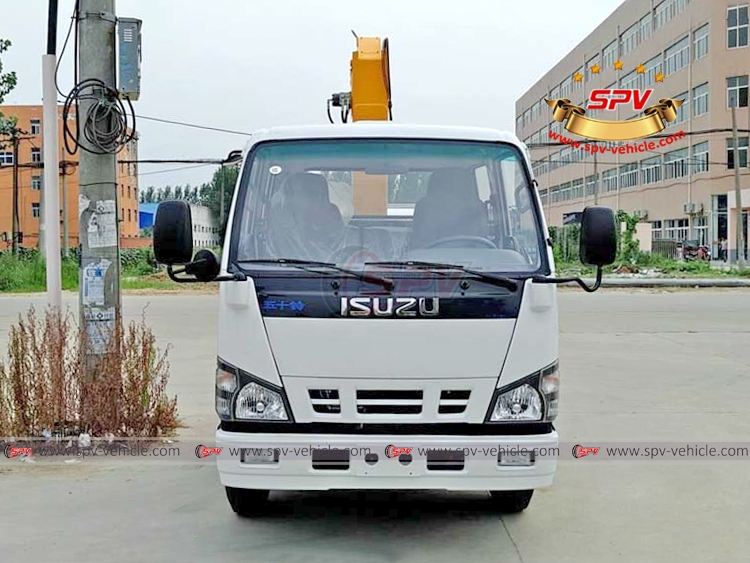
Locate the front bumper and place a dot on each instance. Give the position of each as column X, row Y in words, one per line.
column 295, row 469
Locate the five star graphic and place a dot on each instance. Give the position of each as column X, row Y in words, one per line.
column 641, row 69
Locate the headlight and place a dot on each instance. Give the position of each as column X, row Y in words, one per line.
column 226, row 385
column 255, row 402
column 519, row 404
column 532, row 398
column 550, row 386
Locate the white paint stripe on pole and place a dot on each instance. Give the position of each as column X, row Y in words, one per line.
column 51, row 183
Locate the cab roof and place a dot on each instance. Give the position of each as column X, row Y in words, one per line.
column 383, row 129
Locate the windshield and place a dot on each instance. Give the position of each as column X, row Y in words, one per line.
column 350, row 202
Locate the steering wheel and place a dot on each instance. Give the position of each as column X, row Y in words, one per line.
column 480, row 241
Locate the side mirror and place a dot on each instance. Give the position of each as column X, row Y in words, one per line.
column 173, row 233
column 598, row 236
column 205, row 266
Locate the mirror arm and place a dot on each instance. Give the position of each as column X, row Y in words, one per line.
column 236, row 276
column 579, row 281
column 172, row 275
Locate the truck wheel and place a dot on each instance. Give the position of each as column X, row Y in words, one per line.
column 248, row 502
column 511, row 501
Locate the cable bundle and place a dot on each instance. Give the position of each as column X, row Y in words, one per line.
column 109, row 124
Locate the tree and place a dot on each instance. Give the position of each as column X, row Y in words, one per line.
column 204, row 193
column 148, row 195
column 8, row 81
column 224, row 179
column 208, row 194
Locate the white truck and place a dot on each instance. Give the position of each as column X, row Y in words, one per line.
column 387, row 312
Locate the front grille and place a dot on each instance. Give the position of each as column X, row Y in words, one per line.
column 389, row 402
column 325, row 401
column 453, row 402
column 329, row 401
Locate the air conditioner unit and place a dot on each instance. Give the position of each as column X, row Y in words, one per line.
column 640, row 214
column 692, row 208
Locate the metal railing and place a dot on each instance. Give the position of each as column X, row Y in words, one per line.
column 666, row 248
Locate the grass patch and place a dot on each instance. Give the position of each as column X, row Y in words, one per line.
column 29, row 274
column 26, row 272
column 659, row 265
column 160, row 281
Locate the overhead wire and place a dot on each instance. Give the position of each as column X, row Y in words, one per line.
column 73, row 20
column 176, row 169
column 73, row 29
column 195, row 126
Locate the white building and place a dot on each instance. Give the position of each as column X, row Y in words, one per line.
column 206, row 232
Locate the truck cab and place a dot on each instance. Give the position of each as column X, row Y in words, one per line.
column 387, row 313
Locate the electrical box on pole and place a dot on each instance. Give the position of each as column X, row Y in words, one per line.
column 129, row 48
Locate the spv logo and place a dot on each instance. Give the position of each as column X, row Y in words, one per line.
column 609, row 99
column 12, row 451
column 394, row 451
column 582, row 451
column 202, row 451
column 654, row 117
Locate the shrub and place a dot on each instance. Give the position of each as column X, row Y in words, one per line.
column 44, row 385
column 138, row 261
column 627, row 244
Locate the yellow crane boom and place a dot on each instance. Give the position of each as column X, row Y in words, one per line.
column 370, row 96
column 368, row 100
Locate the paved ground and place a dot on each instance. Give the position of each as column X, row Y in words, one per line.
column 638, row 365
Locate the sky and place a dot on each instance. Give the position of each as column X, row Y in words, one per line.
column 249, row 64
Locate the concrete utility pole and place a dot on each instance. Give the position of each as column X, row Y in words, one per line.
column 740, row 238
column 99, row 297
column 15, row 228
column 49, row 226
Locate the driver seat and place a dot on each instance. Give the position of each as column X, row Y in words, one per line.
column 450, row 208
column 303, row 223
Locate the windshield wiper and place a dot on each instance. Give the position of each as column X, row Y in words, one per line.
column 501, row 281
column 368, row 278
